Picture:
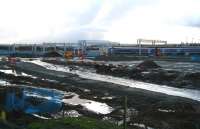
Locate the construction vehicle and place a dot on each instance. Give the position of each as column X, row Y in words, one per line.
column 71, row 54
column 68, row 54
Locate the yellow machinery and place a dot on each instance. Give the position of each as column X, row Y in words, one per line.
column 71, row 54
column 68, row 54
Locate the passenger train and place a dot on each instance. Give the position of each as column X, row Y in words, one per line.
column 148, row 51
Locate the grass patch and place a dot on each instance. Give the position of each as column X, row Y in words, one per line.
column 73, row 123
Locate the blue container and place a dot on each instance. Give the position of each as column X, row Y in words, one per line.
column 195, row 58
column 33, row 100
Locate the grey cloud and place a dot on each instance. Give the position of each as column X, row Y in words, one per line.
column 193, row 22
column 121, row 7
column 82, row 28
column 87, row 16
column 197, row 24
column 78, row 34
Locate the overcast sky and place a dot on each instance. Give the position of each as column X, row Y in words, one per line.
column 115, row 20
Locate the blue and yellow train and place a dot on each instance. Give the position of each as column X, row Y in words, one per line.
column 158, row 51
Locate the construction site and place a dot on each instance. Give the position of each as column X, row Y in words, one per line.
column 102, row 49
column 139, row 86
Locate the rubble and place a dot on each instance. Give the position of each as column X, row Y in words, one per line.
column 148, row 64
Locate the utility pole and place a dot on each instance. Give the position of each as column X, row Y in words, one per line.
column 125, row 112
column 139, row 46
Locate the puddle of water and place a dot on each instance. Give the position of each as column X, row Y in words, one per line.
column 142, row 126
column 130, row 63
column 69, row 113
column 180, row 66
column 27, row 75
column 4, row 83
column 8, row 71
column 41, row 117
column 50, row 80
column 108, row 98
column 48, row 66
column 187, row 93
column 97, row 107
column 72, row 113
column 181, row 92
column 164, row 110
column 16, row 73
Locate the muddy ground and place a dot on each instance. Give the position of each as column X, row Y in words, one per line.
column 155, row 110
column 150, row 73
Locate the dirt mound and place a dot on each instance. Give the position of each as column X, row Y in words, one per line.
column 148, row 64
column 52, row 54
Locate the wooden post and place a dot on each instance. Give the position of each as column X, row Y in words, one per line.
column 125, row 112
column 63, row 110
column 63, row 113
column 197, row 126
